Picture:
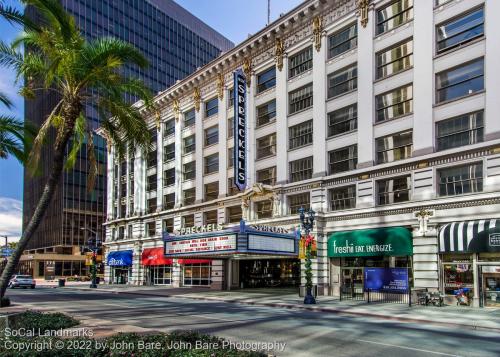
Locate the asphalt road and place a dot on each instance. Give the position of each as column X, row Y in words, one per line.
column 305, row 333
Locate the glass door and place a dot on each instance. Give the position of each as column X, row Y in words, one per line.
column 352, row 283
column 490, row 286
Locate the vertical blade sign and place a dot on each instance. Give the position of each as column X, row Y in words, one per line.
column 240, row 131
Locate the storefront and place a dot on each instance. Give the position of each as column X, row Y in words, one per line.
column 351, row 253
column 469, row 254
column 158, row 269
column 120, row 263
column 240, row 257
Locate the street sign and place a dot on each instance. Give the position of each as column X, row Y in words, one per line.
column 6, row 252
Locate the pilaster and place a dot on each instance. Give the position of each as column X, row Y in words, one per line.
column 319, row 109
column 251, row 142
column 140, row 182
column 492, row 70
column 110, row 181
column 199, row 153
column 223, row 145
column 178, row 162
column 159, row 169
column 281, row 123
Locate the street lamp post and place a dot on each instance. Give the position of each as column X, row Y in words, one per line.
column 93, row 246
column 307, row 225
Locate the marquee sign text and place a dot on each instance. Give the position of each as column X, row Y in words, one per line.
column 201, row 245
column 240, row 156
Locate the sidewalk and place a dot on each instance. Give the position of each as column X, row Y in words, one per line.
column 458, row 316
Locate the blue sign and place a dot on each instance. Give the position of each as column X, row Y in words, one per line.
column 386, row 279
column 240, row 131
column 6, row 252
column 121, row 258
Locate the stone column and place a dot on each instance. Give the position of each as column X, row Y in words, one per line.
column 137, row 269
column 217, row 275
column 199, row 152
column 281, row 123
column 223, row 145
column 110, row 183
column 140, row 182
column 176, row 274
column 492, row 71
column 425, row 255
column 159, row 169
column 366, row 100
column 319, row 109
column 178, row 162
column 423, row 77
column 251, row 143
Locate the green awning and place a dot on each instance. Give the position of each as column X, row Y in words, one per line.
column 390, row 241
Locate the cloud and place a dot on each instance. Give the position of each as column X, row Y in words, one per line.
column 11, row 218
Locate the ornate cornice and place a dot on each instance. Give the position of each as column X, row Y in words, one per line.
column 362, row 12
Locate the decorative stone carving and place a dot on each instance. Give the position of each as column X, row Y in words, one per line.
column 176, row 109
column 362, row 12
column 197, row 98
column 317, row 32
column 157, row 119
column 220, row 85
column 279, row 51
column 247, row 70
column 423, row 219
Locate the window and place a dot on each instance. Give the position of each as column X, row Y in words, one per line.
column 301, row 134
column 169, row 128
column 212, row 135
column 151, row 229
column 460, row 131
column 169, row 152
column 169, row 177
column 151, row 205
column 188, row 221
column 153, row 135
column 230, row 98
column 460, row 81
column 130, row 230
column 189, row 196
column 189, row 170
column 230, row 157
column 301, row 169
column 230, row 128
column 393, row 15
column 297, row 201
column 231, row 187
column 151, row 183
column 266, row 113
column 210, row 217
column 441, row 2
column 151, row 159
column 394, row 104
column 342, row 198
column 189, row 118
column 211, row 107
column 344, row 159
column 343, row 120
column 343, row 41
column 267, row 176
column 395, row 59
column 234, row 214
column 211, row 163
column 197, row 274
column 300, row 99
column 394, row 147
column 300, row 62
column 460, row 30
column 343, row 81
column 460, row 180
column 266, row 146
column 393, row 190
column 168, row 225
column 169, row 201
column 211, row 191
column 121, row 232
column 266, row 79
column 189, row 144
column 264, row 209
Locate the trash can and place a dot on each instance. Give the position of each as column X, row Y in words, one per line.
column 62, row 282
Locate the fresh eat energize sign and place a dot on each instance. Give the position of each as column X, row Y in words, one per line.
column 240, row 156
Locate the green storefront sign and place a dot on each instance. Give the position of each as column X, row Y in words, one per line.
column 391, row 241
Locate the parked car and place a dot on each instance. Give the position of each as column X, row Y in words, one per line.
column 22, row 281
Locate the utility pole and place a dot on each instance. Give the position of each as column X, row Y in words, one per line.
column 268, row 12
column 6, row 244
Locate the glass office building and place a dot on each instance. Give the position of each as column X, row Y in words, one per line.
column 176, row 43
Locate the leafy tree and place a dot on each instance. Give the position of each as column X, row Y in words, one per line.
column 81, row 72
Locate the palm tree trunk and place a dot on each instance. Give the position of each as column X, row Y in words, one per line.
column 62, row 139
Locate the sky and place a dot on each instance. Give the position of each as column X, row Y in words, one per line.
column 235, row 19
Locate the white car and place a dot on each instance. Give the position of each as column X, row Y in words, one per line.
column 22, row 281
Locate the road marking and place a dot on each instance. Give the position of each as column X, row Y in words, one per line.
column 408, row 348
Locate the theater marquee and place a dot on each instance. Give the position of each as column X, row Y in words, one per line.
column 216, row 244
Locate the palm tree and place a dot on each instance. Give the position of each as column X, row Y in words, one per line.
column 81, row 73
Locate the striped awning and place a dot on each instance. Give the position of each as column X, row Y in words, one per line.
column 470, row 237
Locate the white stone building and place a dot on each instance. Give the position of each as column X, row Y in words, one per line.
column 377, row 114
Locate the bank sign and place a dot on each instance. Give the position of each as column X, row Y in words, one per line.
column 214, row 244
column 240, row 132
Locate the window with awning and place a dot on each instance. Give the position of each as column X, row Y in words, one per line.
column 388, row 241
column 120, row 258
column 154, row 256
column 479, row 236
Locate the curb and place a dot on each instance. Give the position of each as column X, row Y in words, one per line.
column 306, row 308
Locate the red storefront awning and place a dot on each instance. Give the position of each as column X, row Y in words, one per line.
column 194, row 261
column 154, row 256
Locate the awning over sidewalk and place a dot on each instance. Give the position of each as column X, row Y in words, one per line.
column 121, row 258
column 154, row 256
column 470, row 237
column 389, row 241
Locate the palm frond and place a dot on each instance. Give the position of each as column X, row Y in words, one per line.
column 9, row 57
column 5, row 100
column 79, row 133
column 12, row 138
column 55, row 15
column 14, row 16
